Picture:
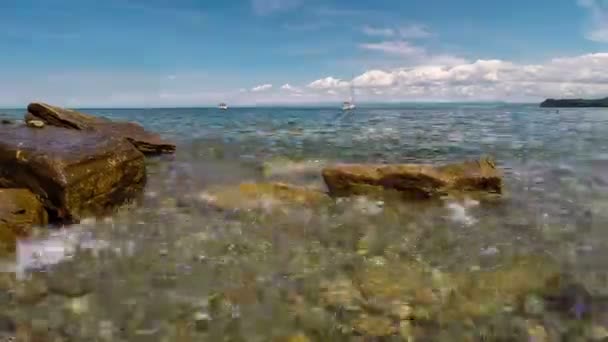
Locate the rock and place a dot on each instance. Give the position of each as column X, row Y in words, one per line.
column 74, row 173
column 5, row 121
column 564, row 294
column 29, row 117
column 262, row 196
column 31, row 291
column 390, row 286
column 20, row 209
column 413, row 180
column 374, row 326
column 35, row 124
column 146, row 142
column 71, row 280
column 340, row 293
column 488, row 292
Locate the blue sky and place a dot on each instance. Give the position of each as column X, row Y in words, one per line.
column 195, row 52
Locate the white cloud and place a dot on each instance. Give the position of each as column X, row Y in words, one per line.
column 375, row 78
column 398, row 47
column 290, row 88
column 261, row 87
column 582, row 76
column 598, row 29
column 378, row 31
column 264, row 7
column 414, row 31
column 328, row 83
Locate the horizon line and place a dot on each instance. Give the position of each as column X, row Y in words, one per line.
column 285, row 105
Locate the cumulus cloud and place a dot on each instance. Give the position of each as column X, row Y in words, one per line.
column 328, row 83
column 582, row 76
column 261, row 87
column 598, row 30
column 288, row 87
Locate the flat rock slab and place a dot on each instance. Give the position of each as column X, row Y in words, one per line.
column 20, row 209
column 415, row 181
column 73, row 172
column 146, row 142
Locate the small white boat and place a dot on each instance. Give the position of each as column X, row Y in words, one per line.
column 223, row 106
column 350, row 105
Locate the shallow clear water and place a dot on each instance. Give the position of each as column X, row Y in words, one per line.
column 155, row 271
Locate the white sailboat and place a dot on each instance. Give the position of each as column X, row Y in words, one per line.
column 223, row 106
column 350, row 104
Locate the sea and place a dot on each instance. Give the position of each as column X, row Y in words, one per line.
column 173, row 269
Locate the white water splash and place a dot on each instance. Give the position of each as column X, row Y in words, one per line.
column 37, row 253
column 459, row 211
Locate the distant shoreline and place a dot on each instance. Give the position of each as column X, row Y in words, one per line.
column 575, row 103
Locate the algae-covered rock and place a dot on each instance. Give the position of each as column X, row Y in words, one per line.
column 416, row 181
column 74, row 173
column 484, row 293
column 20, row 209
column 146, row 142
column 340, row 293
column 392, row 284
column 262, row 196
column 374, row 326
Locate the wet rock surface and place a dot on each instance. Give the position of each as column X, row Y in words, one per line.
column 412, row 180
column 74, row 173
column 146, row 142
column 20, row 209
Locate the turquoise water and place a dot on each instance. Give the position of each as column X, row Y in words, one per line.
column 161, row 263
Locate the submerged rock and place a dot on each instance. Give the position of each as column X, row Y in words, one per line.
column 417, row 181
column 488, row 292
column 281, row 167
column 74, row 173
column 262, row 196
column 146, row 142
column 20, row 209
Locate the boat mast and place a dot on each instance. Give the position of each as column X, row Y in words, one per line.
column 352, row 89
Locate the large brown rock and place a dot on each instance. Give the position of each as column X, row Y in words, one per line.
column 20, row 210
column 146, row 142
column 417, row 181
column 73, row 172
